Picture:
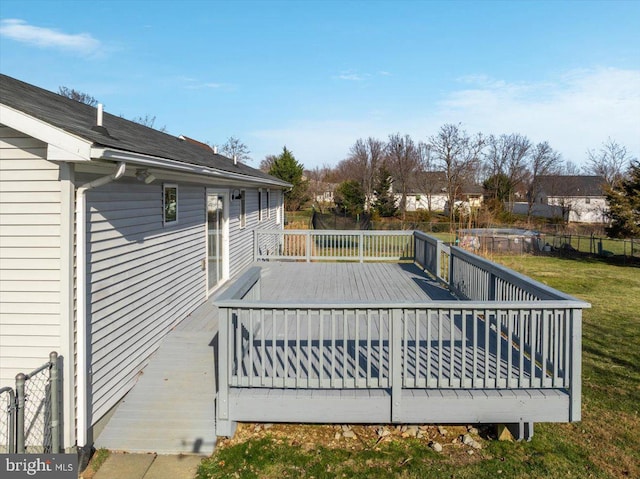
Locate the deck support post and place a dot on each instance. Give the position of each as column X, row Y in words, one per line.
column 575, row 385
column 395, row 352
column 224, row 427
column 521, row 431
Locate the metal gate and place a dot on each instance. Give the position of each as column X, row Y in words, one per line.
column 30, row 413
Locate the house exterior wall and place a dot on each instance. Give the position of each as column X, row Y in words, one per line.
column 582, row 209
column 417, row 202
column 241, row 239
column 30, row 255
column 143, row 277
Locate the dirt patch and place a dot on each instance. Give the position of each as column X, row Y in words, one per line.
column 361, row 437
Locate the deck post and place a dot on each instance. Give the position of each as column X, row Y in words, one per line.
column 308, row 246
column 438, row 271
column 224, row 426
column 575, row 387
column 395, row 354
column 361, row 246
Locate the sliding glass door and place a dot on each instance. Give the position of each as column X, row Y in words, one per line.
column 217, row 247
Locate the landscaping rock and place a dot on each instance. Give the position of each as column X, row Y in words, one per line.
column 436, row 446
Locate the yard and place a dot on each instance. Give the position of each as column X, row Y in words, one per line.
column 605, row 444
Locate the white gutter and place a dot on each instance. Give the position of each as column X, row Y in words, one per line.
column 158, row 162
column 81, row 306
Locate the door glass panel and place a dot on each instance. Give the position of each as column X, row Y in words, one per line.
column 215, row 221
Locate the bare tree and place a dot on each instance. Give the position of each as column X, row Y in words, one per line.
column 428, row 180
column 318, row 185
column 458, row 155
column 610, row 161
column 362, row 164
column 77, row 96
column 267, row 163
column 506, row 158
column 403, row 160
column 234, row 148
column 148, row 121
column 542, row 161
column 570, row 169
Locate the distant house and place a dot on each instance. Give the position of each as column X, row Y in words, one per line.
column 111, row 234
column 430, row 193
column 574, row 198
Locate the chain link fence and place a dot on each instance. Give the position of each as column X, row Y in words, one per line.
column 30, row 416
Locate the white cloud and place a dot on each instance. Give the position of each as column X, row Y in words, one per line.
column 196, row 84
column 21, row 31
column 358, row 77
column 577, row 111
column 351, row 76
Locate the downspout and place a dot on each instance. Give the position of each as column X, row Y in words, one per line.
column 81, row 302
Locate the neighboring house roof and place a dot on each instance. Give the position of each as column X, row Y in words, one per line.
column 117, row 133
column 572, row 185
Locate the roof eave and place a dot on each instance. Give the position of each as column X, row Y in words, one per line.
column 57, row 138
column 111, row 154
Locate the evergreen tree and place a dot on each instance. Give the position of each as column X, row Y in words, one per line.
column 385, row 203
column 350, row 197
column 624, row 205
column 287, row 168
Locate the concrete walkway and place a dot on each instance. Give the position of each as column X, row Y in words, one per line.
column 171, row 409
column 148, row 466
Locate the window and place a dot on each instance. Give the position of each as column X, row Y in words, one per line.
column 243, row 208
column 268, row 204
column 259, row 205
column 170, row 203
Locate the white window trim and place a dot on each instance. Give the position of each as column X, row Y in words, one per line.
column 165, row 187
column 260, row 205
column 268, row 200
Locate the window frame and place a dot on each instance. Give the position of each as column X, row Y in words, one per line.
column 165, row 190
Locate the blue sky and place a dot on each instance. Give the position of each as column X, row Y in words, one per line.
column 316, row 76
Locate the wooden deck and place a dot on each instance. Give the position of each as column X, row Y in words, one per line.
column 351, row 282
column 387, row 343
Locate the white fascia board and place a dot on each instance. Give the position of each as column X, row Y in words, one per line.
column 78, row 148
column 100, row 153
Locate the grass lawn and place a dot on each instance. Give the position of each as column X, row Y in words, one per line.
column 606, row 443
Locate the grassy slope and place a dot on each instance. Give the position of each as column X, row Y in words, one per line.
column 605, row 444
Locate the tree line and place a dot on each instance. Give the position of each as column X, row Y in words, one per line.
column 508, row 167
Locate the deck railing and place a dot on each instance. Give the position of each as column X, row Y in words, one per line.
column 507, row 331
column 329, row 245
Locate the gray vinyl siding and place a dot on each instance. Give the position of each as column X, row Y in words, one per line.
column 143, row 278
column 30, row 254
column 241, row 239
